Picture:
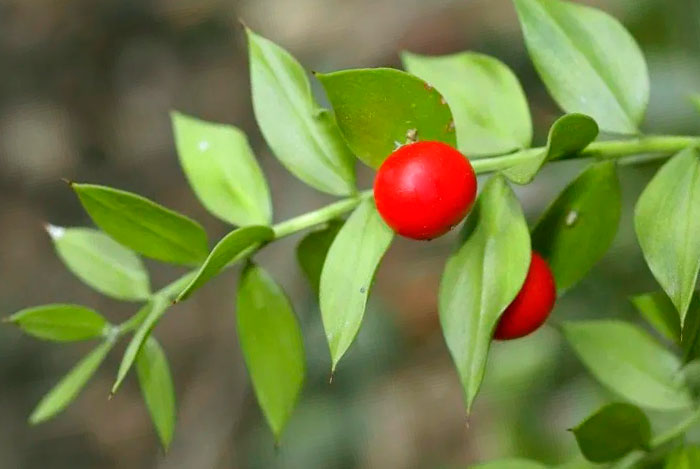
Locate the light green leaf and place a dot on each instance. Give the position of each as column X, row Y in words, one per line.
column 612, row 432
column 272, row 345
column 312, row 251
column 658, row 310
column 150, row 313
column 376, row 109
column 228, row 250
column 667, row 221
column 588, row 62
column 489, row 106
column 568, row 135
column 60, row 322
column 157, row 388
column 481, row 279
column 101, row 262
column 629, row 362
column 70, row 385
column 512, row 463
column 143, row 225
column 580, row 225
column 684, row 457
column 303, row 136
column 222, row 170
column 347, row 275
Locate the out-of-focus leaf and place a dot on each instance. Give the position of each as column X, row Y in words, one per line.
column 684, row 457
column 657, row 309
column 312, row 251
column 481, row 279
column 513, row 463
column 60, row 322
column 304, row 137
column 378, row 108
column 489, row 106
column 143, row 225
column 222, row 170
column 272, row 345
column 690, row 335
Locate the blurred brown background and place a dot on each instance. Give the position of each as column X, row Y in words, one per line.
column 85, row 90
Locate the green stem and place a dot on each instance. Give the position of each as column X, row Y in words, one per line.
column 679, row 429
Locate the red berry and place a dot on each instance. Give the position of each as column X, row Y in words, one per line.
column 423, row 189
column 530, row 309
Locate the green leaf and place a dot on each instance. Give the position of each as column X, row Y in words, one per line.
column 684, row 457
column 658, row 310
column 157, row 388
column 629, row 362
column 588, row 62
column 489, row 106
column 579, row 226
column 222, row 170
column 377, row 108
column 101, row 262
column 347, row 275
column 312, row 251
column 481, row 279
column 143, row 225
column 695, row 101
column 568, row 135
column 227, row 251
column 612, row 432
column 70, row 385
column 690, row 335
column 151, row 313
column 60, row 322
column 272, row 345
column 303, row 136
column 511, row 463
column 667, row 221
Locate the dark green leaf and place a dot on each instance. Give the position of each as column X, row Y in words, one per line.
column 101, row 262
column 157, row 388
column 667, row 221
column 612, row 432
column 570, row 134
column 222, row 170
column 303, row 136
column 347, row 275
column 70, row 385
column 143, row 225
column 684, row 457
column 312, row 250
column 690, row 335
column 588, row 62
column 658, row 310
column 272, row 345
column 228, row 250
column 578, row 228
column 376, row 109
column 628, row 361
column 489, row 107
column 513, row 463
column 60, row 322
column 481, row 279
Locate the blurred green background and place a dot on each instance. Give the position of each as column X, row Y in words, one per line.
column 85, row 91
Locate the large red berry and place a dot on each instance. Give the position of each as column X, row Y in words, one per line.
column 530, row 309
column 423, row 189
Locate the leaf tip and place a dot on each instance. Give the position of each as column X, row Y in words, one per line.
column 68, row 181
column 243, row 24
column 55, row 232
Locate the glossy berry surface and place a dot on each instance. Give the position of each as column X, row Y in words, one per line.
column 423, row 189
column 530, row 309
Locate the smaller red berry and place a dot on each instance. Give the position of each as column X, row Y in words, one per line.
column 423, row 189
column 530, row 309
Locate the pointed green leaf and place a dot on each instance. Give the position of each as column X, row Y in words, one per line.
column 580, row 225
column 512, row 463
column 101, row 262
column 143, row 225
column 667, row 221
column 60, row 322
column 568, row 135
column 272, row 345
column 588, row 62
column 228, row 250
column 303, row 136
column 376, row 109
column 312, row 251
column 347, row 275
column 658, row 310
column 629, row 362
column 70, row 385
column 612, row 432
column 684, row 457
column 481, row 278
column 489, row 106
column 222, row 170
column 157, row 388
